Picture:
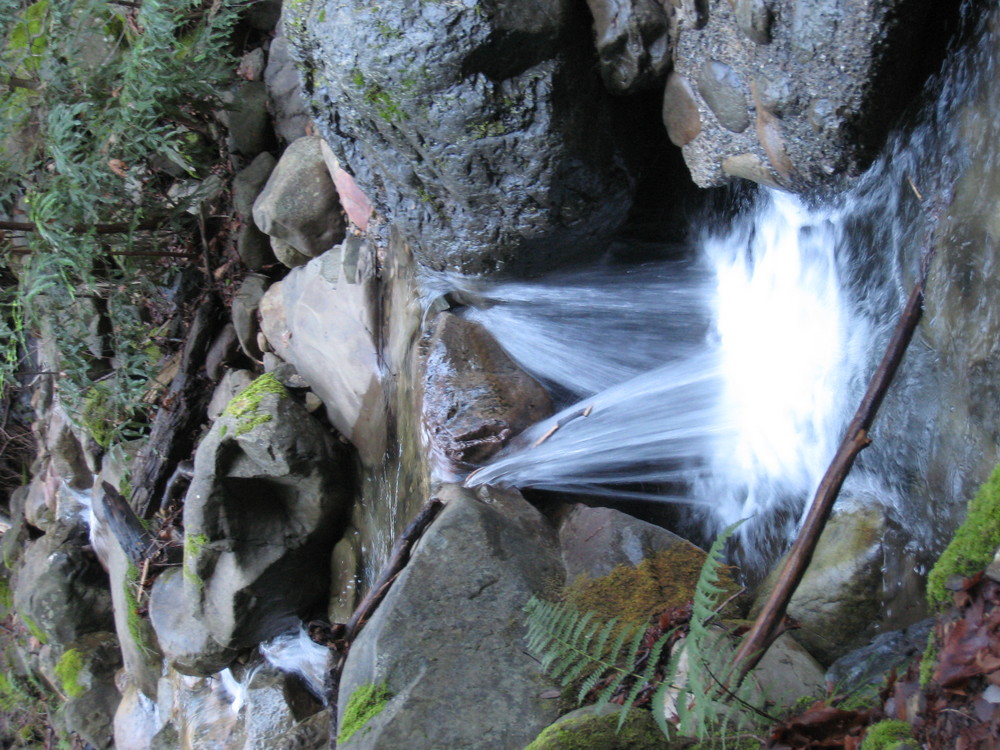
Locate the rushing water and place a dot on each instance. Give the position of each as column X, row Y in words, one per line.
column 725, row 380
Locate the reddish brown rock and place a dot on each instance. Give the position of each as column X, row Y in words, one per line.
column 680, row 111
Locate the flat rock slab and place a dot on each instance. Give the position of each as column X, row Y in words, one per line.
column 448, row 639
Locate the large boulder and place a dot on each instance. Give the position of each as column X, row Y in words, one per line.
column 284, row 91
column 481, row 128
column 789, row 92
column 448, row 635
column 838, row 603
column 61, row 591
column 322, row 318
column 85, row 674
column 298, row 206
column 264, row 507
column 475, row 397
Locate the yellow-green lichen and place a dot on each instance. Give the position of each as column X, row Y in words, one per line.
column 68, row 670
column 244, row 409
column 886, row 735
column 366, row 702
column 929, row 660
column 974, row 544
column 193, row 544
column 138, row 630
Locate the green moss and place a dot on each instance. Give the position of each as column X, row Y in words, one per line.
column 929, row 660
column 137, row 628
column 193, row 544
column 634, row 594
column 974, row 544
column 223, row 430
column 886, row 735
column 68, row 670
column 245, row 408
column 33, row 628
column 6, row 595
column 365, row 703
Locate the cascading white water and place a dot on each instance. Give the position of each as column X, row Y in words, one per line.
column 746, row 413
column 725, row 383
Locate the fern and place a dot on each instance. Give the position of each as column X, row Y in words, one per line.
column 572, row 645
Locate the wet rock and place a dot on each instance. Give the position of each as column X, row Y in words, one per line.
column 749, row 167
column 753, row 17
column 248, row 121
column 633, row 43
column 853, row 53
column 244, row 311
column 327, row 333
column 475, row 398
column 345, row 577
column 722, row 90
column 454, row 617
column 233, row 383
column 135, row 721
column 269, row 489
column 61, row 588
column 254, row 247
column 284, row 92
column 838, row 602
column 596, row 540
column 299, row 203
column 680, row 111
column 869, row 664
column 482, row 130
column 250, row 181
column 311, row 734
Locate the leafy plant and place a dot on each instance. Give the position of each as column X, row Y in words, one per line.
column 626, row 663
column 98, row 111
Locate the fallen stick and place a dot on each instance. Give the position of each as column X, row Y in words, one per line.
column 390, row 572
column 584, row 412
column 765, row 629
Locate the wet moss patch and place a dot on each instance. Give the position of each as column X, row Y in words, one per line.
column 364, row 704
column 634, row 594
column 974, row 544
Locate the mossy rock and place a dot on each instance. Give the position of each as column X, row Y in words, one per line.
column 887, row 735
column 592, row 728
column 974, row 545
column 636, row 593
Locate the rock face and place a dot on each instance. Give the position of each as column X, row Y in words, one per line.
column 633, row 42
column 299, row 204
column 428, row 638
column 263, row 509
column 61, row 588
column 789, row 92
column 322, row 319
column 838, row 602
column 475, row 397
column 475, row 126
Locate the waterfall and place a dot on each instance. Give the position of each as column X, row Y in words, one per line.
column 724, row 380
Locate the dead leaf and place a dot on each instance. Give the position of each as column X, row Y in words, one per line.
column 118, row 167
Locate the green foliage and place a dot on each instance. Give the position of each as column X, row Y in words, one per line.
column 97, row 95
column 27, row 705
column 574, row 646
column 886, row 735
column 366, row 702
column 975, row 543
column 68, row 670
